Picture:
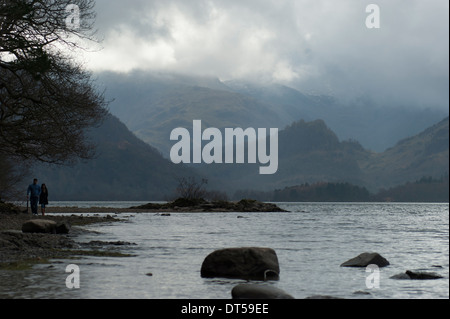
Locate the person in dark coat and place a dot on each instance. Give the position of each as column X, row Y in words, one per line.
column 33, row 193
column 43, row 198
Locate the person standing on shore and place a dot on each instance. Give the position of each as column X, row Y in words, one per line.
column 33, row 193
column 43, row 198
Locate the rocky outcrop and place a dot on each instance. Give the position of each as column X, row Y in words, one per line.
column 244, row 263
column 417, row 275
column 249, row 291
column 366, row 259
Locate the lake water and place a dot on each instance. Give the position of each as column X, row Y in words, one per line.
column 311, row 242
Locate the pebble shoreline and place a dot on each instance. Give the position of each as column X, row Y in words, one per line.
column 17, row 247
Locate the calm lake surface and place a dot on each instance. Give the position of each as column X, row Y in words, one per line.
column 311, row 242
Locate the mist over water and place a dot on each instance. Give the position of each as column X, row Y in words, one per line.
column 311, row 242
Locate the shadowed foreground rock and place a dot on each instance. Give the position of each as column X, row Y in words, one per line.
column 248, row 291
column 366, row 259
column 243, row 263
column 44, row 226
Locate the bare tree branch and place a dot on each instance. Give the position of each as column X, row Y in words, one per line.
column 46, row 100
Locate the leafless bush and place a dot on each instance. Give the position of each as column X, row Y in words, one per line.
column 190, row 188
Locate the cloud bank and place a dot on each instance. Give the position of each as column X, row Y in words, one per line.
column 321, row 46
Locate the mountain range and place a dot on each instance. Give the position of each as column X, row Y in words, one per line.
column 132, row 144
column 153, row 104
column 310, row 152
column 126, row 168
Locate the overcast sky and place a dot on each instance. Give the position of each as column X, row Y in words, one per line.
column 313, row 45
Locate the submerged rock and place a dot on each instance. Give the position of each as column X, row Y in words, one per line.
column 244, row 263
column 366, row 259
column 322, row 297
column 108, row 243
column 417, row 275
column 248, row 291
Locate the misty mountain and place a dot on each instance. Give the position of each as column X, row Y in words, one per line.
column 375, row 127
column 124, row 168
column 153, row 104
column 310, row 150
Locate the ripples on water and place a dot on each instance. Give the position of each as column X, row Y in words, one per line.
column 311, row 242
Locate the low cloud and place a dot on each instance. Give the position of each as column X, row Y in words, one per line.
column 321, row 46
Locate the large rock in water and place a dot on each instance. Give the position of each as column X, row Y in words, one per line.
column 243, row 263
column 366, row 259
column 39, row 226
column 247, row 291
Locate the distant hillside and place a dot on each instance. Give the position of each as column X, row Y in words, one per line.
column 125, row 168
column 309, row 152
column 425, row 154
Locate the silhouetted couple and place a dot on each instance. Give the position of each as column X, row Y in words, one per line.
column 37, row 194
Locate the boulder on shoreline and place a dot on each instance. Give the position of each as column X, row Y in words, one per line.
column 201, row 205
column 43, row 226
column 366, row 259
column 243, row 263
column 249, row 291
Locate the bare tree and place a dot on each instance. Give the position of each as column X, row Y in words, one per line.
column 190, row 188
column 46, row 100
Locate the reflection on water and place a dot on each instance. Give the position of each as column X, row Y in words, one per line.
column 311, row 243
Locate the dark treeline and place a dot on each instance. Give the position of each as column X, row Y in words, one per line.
column 323, row 192
column 427, row 189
